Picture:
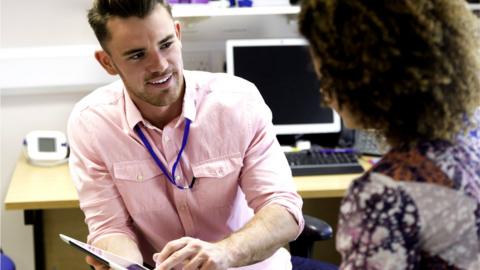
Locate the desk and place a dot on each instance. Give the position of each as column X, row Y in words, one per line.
column 33, row 189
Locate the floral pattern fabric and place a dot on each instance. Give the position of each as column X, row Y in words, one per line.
column 417, row 208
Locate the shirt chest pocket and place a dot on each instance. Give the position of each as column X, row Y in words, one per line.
column 217, row 180
column 141, row 185
column 136, row 171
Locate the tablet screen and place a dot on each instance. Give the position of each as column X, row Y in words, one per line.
column 113, row 261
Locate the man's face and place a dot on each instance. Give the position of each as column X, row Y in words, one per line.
column 146, row 53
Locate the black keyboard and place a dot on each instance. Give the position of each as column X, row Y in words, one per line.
column 323, row 161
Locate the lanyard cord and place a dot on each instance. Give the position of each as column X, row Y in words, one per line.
column 171, row 177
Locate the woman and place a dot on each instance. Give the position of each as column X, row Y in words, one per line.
column 408, row 69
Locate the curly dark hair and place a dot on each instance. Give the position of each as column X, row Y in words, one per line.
column 407, row 68
column 103, row 10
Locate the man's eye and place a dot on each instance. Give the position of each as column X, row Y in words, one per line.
column 136, row 56
column 166, row 45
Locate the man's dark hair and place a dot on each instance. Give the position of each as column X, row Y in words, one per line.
column 103, row 10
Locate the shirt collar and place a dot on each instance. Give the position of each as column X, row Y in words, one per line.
column 189, row 111
column 132, row 113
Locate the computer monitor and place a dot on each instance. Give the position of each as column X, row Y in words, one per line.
column 283, row 72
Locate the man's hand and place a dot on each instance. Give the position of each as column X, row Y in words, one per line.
column 189, row 253
column 271, row 228
column 118, row 244
column 96, row 264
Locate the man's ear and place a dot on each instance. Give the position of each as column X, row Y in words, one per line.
column 178, row 31
column 104, row 59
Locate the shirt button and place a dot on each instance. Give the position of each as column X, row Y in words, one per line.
column 166, row 138
column 139, row 177
column 177, row 177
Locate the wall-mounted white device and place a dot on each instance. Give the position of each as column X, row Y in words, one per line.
column 46, row 147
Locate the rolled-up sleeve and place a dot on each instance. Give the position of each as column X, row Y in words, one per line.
column 104, row 210
column 266, row 176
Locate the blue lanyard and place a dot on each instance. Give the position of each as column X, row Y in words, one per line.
column 171, row 177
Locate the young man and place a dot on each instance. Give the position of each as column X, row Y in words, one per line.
column 184, row 165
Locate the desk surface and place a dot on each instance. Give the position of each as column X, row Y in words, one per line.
column 33, row 187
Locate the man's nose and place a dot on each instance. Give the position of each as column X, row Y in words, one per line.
column 157, row 62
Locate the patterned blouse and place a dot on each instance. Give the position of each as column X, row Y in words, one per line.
column 417, row 208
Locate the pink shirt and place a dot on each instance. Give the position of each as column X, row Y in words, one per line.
column 232, row 152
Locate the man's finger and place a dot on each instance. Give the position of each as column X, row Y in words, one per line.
column 97, row 265
column 170, row 248
column 179, row 257
column 195, row 263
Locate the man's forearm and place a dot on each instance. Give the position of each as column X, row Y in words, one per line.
column 121, row 245
column 271, row 228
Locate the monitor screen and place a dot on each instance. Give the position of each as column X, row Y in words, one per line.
column 283, row 72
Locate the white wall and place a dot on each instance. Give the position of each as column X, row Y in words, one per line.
column 42, row 23
column 31, row 23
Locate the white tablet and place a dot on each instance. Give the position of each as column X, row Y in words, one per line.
column 109, row 259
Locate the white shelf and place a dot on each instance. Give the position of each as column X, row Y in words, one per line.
column 61, row 67
column 202, row 10
column 205, row 10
